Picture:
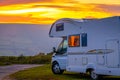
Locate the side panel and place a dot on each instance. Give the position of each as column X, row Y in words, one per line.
column 79, row 62
column 61, row 59
column 100, row 59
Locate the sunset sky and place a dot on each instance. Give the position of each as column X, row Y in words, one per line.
column 47, row 11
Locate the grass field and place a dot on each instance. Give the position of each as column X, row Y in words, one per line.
column 44, row 73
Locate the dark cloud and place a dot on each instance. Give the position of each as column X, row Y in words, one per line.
column 110, row 8
column 12, row 2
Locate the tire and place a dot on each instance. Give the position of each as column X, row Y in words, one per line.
column 94, row 76
column 56, row 68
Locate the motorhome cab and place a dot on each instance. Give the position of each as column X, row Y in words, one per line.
column 88, row 45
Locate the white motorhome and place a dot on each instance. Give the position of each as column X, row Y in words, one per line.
column 88, row 45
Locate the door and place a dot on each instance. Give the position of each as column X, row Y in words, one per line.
column 61, row 54
column 112, row 58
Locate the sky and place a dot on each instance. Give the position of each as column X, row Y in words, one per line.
column 26, row 39
column 39, row 16
column 47, row 11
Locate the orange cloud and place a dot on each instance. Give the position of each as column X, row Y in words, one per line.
column 99, row 1
column 13, row 19
column 13, row 2
column 46, row 12
column 25, row 20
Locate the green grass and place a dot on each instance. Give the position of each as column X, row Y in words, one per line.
column 45, row 73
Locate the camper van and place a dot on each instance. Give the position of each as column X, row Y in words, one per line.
column 88, row 45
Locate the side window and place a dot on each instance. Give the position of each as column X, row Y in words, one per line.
column 74, row 41
column 60, row 27
column 84, row 39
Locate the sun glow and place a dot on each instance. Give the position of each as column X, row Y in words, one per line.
column 48, row 12
column 22, row 11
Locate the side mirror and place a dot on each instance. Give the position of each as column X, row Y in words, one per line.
column 54, row 49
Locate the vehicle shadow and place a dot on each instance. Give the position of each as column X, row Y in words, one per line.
column 77, row 76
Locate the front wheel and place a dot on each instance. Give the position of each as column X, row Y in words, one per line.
column 94, row 76
column 56, row 68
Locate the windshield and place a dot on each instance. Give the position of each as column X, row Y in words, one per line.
column 62, row 47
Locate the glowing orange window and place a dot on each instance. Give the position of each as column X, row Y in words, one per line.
column 74, row 41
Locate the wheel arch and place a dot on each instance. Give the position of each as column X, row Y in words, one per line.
column 54, row 62
column 90, row 67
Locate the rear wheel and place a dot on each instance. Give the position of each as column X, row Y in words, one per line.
column 56, row 68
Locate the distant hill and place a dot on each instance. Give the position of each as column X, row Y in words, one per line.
column 26, row 39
